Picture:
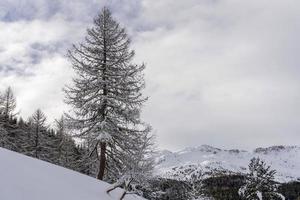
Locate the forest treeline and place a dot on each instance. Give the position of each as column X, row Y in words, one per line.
column 34, row 137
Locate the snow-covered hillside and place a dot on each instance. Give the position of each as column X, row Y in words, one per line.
column 206, row 160
column 25, row 178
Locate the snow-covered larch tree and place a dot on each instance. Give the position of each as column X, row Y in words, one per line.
column 62, row 139
column 7, row 103
column 260, row 182
column 38, row 124
column 7, row 111
column 106, row 96
column 65, row 151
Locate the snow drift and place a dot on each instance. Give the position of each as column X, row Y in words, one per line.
column 25, row 178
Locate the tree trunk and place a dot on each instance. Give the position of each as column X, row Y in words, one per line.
column 102, row 161
column 36, row 141
column 103, row 110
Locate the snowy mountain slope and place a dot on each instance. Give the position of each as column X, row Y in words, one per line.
column 206, row 160
column 25, row 178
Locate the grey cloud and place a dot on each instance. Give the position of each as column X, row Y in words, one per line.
column 239, row 57
column 45, row 9
column 224, row 73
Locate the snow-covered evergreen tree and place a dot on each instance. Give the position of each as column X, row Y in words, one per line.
column 65, row 151
column 7, row 103
column 260, row 184
column 38, row 125
column 24, row 137
column 3, row 136
column 8, row 138
column 106, row 96
column 62, row 146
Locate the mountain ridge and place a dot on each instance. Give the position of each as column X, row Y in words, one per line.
column 208, row 160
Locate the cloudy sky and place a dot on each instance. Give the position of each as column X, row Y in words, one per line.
column 219, row 72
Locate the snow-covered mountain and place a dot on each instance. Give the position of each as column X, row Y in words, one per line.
column 25, row 178
column 205, row 161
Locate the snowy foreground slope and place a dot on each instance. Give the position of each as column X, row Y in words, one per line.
column 25, row 178
column 207, row 161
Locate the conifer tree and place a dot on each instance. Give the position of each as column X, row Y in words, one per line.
column 8, row 103
column 3, row 136
column 61, row 142
column 38, row 125
column 65, row 151
column 260, row 184
column 106, row 95
column 24, row 135
column 8, row 121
